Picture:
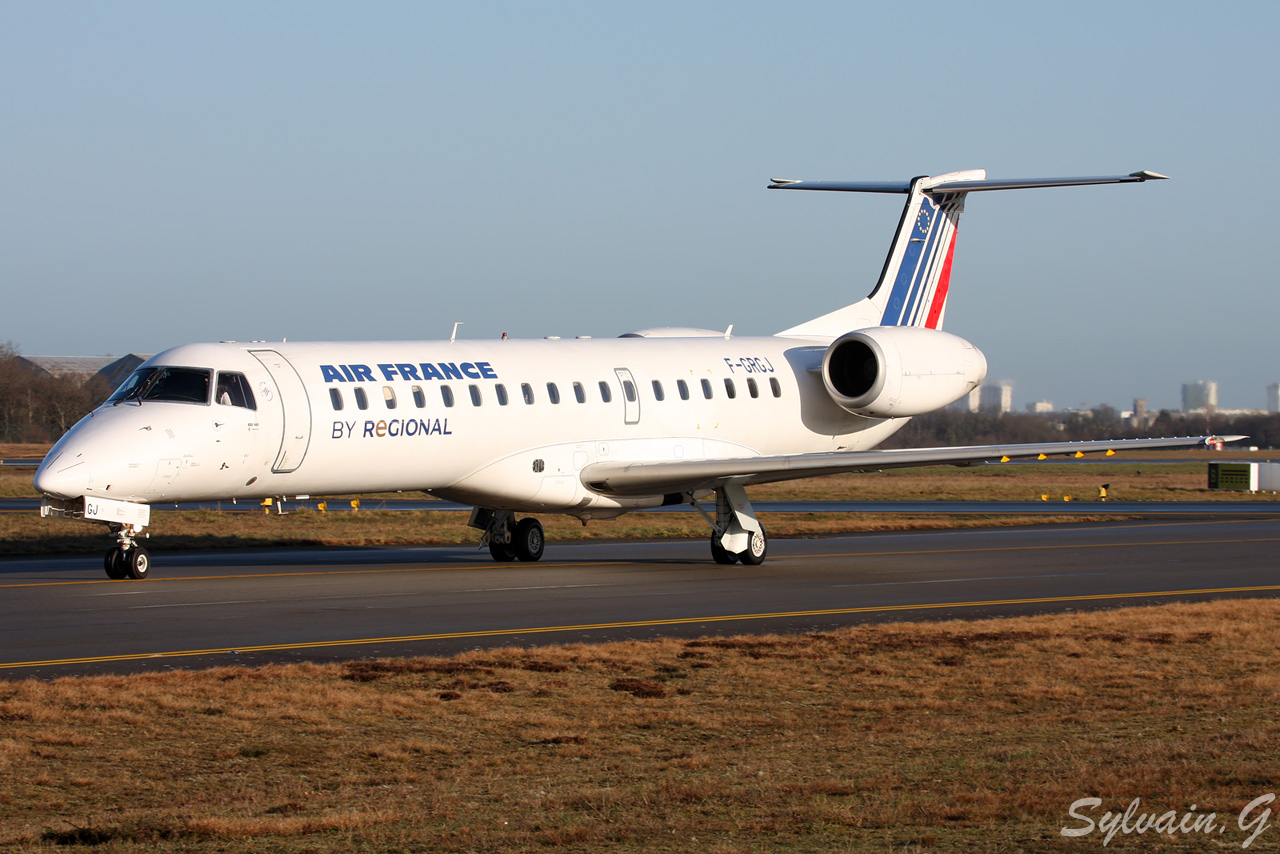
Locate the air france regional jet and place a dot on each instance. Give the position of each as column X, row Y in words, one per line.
column 592, row 428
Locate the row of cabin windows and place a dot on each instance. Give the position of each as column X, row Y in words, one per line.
column 553, row 393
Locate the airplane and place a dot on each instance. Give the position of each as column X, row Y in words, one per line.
column 588, row 427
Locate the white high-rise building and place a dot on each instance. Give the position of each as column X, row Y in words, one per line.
column 1273, row 397
column 995, row 397
column 1199, row 396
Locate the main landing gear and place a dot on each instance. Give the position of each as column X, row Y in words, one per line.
column 127, row 559
column 508, row 539
column 736, row 533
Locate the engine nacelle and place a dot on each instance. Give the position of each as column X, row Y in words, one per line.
column 896, row 371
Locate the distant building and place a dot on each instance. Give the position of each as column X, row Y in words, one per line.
column 1040, row 407
column 996, row 397
column 1199, row 396
column 1140, row 417
column 1273, row 397
column 113, row 369
column 968, row 403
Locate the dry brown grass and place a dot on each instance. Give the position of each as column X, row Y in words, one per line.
column 935, row 736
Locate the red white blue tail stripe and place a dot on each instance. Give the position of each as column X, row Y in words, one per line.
column 918, row 294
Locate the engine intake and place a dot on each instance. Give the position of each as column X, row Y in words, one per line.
column 897, row 371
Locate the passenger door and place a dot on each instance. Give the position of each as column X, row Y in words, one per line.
column 294, row 408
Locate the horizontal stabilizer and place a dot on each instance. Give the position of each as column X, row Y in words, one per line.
column 948, row 184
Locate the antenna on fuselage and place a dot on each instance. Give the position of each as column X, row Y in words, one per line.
column 456, row 324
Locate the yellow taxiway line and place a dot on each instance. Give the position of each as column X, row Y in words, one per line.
column 629, row 624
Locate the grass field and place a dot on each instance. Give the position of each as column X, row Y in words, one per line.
column 905, row 737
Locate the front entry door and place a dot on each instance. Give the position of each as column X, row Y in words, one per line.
column 295, row 410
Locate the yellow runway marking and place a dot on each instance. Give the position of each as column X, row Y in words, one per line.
column 630, row 624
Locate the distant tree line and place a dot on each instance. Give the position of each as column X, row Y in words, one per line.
column 36, row 407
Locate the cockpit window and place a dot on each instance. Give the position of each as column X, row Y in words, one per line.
column 181, row 385
column 233, row 390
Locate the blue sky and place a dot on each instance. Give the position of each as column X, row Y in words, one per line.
column 176, row 172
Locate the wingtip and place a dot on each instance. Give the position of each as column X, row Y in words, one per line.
column 1148, row 175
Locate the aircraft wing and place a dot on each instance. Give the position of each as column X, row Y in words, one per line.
column 665, row 477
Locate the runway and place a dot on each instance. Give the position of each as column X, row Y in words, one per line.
column 62, row 616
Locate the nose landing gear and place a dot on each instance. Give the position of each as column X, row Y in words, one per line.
column 127, row 559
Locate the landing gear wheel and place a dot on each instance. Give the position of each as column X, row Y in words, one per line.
column 529, row 540
column 502, row 552
column 757, row 547
column 137, row 562
column 720, row 554
column 114, row 563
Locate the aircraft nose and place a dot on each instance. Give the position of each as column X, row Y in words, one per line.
column 62, row 475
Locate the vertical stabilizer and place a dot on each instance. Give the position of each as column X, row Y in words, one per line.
column 916, row 279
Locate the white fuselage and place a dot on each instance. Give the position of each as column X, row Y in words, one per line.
column 361, row 417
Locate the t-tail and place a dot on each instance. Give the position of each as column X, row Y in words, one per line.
column 916, row 279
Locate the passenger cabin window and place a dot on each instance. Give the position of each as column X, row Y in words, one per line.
column 446, row 395
column 233, row 390
column 775, row 386
column 706, row 389
column 553, row 393
column 175, row 385
column 527, row 391
column 657, row 391
column 501, row 391
column 729, row 389
column 475, row 394
column 335, row 397
column 362, row 399
column 605, row 394
column 629, row 389
column 752, row 388
column 419, row 397
column 579, row 393
column 683, row 388
column 389, row 396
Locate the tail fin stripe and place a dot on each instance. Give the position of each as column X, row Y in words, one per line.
column 923, row 275
column 942, row 243
column 944, row 283
column 900, row 298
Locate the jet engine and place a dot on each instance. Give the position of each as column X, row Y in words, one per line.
column 896, row 371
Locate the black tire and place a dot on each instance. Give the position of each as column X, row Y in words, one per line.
column 529, row 540
column 757, row 548
column 720, row 554
column 114, row 564
column 502, row 552
column 137, row 562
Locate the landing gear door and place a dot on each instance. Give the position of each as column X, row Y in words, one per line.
column 630, row 396
column 294, row 407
